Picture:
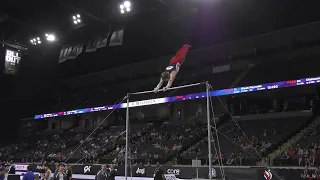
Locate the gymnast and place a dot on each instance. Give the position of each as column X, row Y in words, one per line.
column 172, row 70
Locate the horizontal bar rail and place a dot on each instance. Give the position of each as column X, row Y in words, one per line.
column 161, row 90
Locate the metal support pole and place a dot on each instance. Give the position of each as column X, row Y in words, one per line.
column 209, row 130
column 127, row 140
column 197, row 167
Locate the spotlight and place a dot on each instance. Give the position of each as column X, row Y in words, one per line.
column 51, row 37
column 35, row 41
column 76, row 19
column 127, row 4
column 125, row 7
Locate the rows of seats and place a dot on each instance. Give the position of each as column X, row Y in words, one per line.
column 248, row 139
column 158, row 143
column 305, row 151
column 48, row 145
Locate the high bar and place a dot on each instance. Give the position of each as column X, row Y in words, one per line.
column 177, row 87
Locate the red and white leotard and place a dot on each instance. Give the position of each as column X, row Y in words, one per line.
column 178, row 59
column 180, row 56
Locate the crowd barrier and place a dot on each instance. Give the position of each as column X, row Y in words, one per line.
column 181, row 172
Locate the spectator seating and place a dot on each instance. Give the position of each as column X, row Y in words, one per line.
column 305, row 151
column 240, row 139
column 255, row 138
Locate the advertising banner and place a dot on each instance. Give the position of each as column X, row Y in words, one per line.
column 116, row 38
column 12, row 61
column 70, row 52
column 97, row 41
column 139, row 171
column 88, row 171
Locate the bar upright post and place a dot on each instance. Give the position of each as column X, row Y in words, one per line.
column 209, row 130
column 127, row 140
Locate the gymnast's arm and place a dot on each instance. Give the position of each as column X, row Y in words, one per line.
column 159, row 85
column 172, row 77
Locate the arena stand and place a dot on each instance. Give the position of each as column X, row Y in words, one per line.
column 303, row 152
column 257, row 135
column 180, row 148
column 159, row 143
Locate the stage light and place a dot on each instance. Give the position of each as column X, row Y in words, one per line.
column 127, row 4
column 35, row 41
column 76, row 19
column 51, row 37
column 125, row 7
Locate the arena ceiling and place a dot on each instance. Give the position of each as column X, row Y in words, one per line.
column 21, row 20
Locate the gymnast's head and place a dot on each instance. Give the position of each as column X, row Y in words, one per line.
column 165, row 76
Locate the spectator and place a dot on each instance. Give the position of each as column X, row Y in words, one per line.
column 158, row 172
column 306, row 173
column 3, row 171
column 216, row 158
column 69, row 172
column 240, row 158
column 292, row 152
column 300, row 155
column 12, row 170
column 29, row 175
column 102, row 174
column 47, row 173
column 60, row 174
column 57, row 168
column 306, row 157
column 111, row 173
column 231, row 159
column 285, row 155
column 7, row 169
column 313, row 156
column 36, row 177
